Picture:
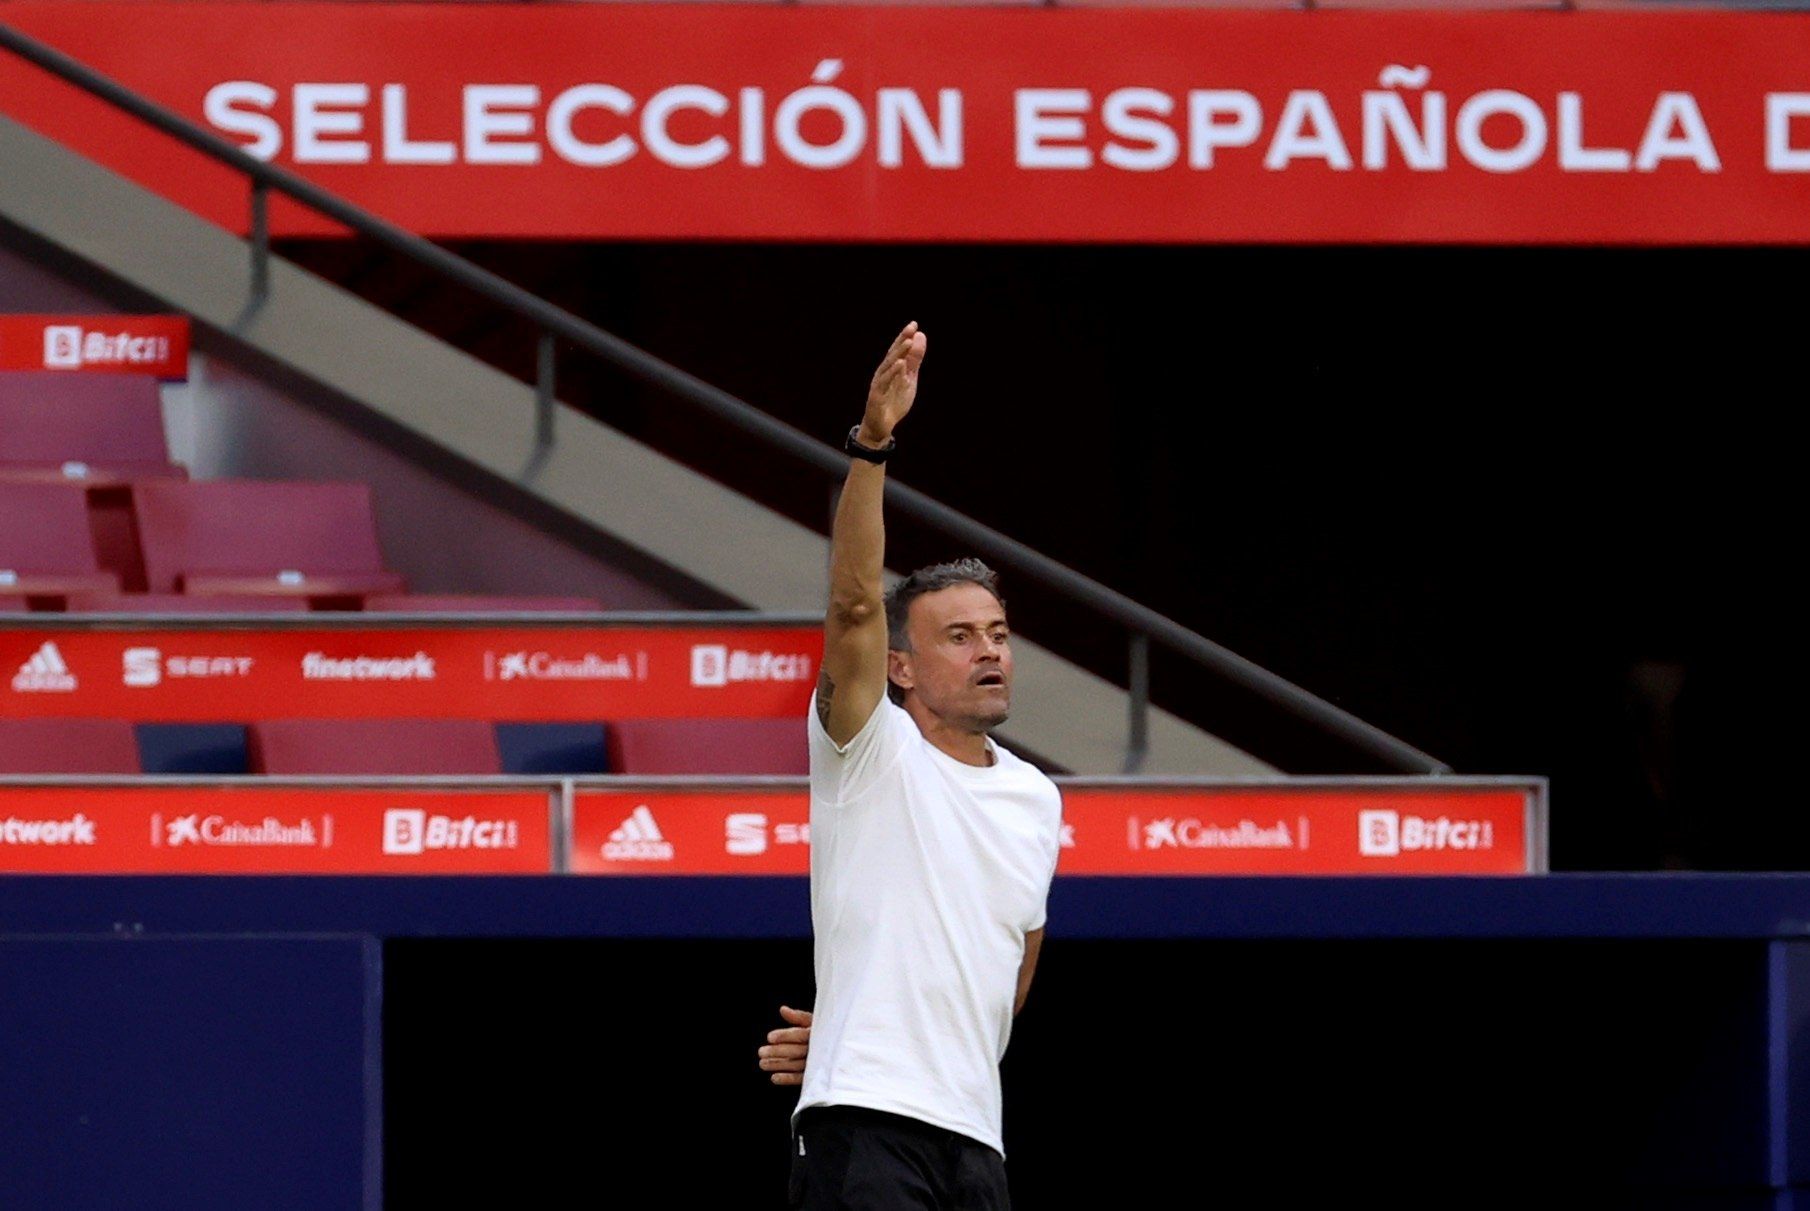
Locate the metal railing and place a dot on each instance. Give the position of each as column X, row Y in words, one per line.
column 1141, row 624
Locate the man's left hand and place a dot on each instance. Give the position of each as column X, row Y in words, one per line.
column 783, row 1058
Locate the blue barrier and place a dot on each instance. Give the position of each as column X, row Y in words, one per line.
column 160, row 1035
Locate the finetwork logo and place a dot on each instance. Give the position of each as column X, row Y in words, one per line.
column 1383, row 833
column 147, row 667
column 746, row 833
column 318, row 666
column 714, row 665
column 411, row 830
column 45, row 673
column 1171, row 832
column 638, row 839
column 197, row 829
column 78, row 830
column 544, row 666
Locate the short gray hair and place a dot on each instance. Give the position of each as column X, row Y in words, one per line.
column 932, row 579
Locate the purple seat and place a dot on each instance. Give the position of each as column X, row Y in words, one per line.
column 373, row 746
column 258, row 537
column 708, row 746
column 102, row 421
column 46, row 543
column 462, row 603
column 68, row 746
column 182, row 603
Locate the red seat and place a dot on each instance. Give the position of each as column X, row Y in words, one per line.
column 708, row 746
column 182, row 603
column 46, row 545
column 461, row 603
column 373, row 746
column 311, row 540
column 103, row 422
column 68, row 746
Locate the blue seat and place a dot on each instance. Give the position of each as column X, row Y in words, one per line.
column 553, row 748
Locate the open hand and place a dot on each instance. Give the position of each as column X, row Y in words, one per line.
column 895, row 386
column 782, row 1059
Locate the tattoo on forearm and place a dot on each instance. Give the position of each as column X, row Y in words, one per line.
column 826, row 690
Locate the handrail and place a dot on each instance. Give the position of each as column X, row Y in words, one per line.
column 1142, row 623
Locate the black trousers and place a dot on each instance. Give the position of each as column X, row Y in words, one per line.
column 846, row 1158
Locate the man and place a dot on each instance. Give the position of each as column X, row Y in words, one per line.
column 932, row 851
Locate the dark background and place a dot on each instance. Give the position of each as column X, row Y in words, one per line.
column 1141, row 1074
column 1532, row 510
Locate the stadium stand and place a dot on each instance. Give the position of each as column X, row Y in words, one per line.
column 104, row 432
column 373, row 747
column 68, row 746
column 47, row 546
column 181, row 603
column 98, row 427
column 474, row 603
column 708, row 746
column 313, row 540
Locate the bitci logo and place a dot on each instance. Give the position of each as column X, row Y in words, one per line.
column 410, row 830
column 62, row 347
column 1388, row 834
column 404, row 830
column 710, row 664
column 1379, row 834
column 713, row 665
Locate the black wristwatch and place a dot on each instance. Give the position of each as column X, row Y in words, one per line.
column 868, row 453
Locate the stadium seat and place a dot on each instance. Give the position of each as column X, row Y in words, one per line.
column 183, row 603
column 313, row 540
column 459, row 603
column 67, row 746
column 192, row 748
column 708, row 746
column 82, row 428
column 373, row 746
column 46, row 546
column 552, row 748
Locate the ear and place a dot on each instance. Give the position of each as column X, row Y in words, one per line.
column 898, row 668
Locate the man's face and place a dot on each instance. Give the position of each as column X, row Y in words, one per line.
column 960, row 663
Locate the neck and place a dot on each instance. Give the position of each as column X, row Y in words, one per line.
column 966, row 746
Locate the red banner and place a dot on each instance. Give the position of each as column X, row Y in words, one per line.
column 157, row 345
column 839, row 122
column 1277, row 829
column 274, row 830
column 527, row 674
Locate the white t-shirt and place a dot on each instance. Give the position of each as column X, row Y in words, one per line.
column 926, row 874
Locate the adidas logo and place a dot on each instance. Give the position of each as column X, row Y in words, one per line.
column 638, row 840
column 44, row 673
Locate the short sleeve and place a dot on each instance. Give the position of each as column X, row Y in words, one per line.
column 1043, row 907
column 842, row 772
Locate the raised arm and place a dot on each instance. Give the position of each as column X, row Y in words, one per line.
column 854, row 630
